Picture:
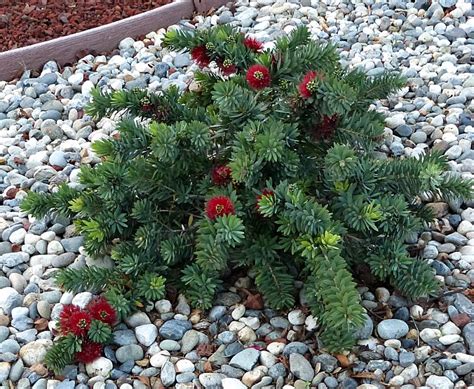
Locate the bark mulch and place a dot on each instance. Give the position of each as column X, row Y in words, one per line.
column 24, row 23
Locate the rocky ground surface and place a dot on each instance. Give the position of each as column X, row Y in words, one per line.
column 45, row 135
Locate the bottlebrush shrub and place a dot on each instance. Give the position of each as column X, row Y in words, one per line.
column 83, row 332
column 271, row 163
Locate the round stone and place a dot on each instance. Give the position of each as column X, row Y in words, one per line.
column 146, row 334
column 296, row 317
column 184, row 366
column 392, row 329
column 100, row 367
column 34, row 352
column 131, row 352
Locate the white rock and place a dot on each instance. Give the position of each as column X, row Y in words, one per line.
column 449, row 339
column 117, row 60
column 236, row 326
column 437, row 382
column 35, row 352
column 82, row 299
column 184, row 366
column 416, row 312
column 395, row 120
column 276, row 348
column 251, row 322
column 232, row 383
column 409, row 372
column 126, row 43
column 429, row 334
column 100, row 367
column 146, row 334
column 238, row 311
column 465, row 358
column 397, row 380
column 9, row 299
column 450, row 329
column 311, row 323
column 48, row 236
column 76, row 78
column 267, row 359
column 296, row 317
column 159, row 359
column 87, row 88
column 55, row 248
column 465, row 227
column 247, row 335
column 163, row 306
column 18, row 236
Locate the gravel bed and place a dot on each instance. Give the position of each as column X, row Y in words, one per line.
column 45, row 136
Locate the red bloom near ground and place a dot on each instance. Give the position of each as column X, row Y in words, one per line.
column 219, row 206
column 265, row 192
column 308, row 86
column 65, row 317
column 221, row 175
column 79, row 323
column 100, row 309
column 200, row 56
column 89, row 353
column 253, row 44
column 227, row 67
column 258, row 77
column 327, row 126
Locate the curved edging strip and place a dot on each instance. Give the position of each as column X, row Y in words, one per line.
column 103, row 38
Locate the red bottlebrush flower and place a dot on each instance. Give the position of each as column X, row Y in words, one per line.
column 100, row 309
column 253, row 44
column 65, row 317
column 79, row 323
column 89, row 353
column 265, row 192
column 327, row 126
column 221, row 175
column 258, row 77
column 200, row 56
column 147, row 106
column 227, row 67
column 219, row 206
column 308, row 85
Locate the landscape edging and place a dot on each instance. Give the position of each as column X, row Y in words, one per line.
column 104, row 38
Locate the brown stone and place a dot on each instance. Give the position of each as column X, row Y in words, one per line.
column 439, row 209
column 4, row 320
column 461, row 319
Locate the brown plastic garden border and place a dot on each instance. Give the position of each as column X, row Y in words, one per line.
column 100, row 39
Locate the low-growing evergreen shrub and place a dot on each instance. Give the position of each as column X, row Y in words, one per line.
column 272, row 163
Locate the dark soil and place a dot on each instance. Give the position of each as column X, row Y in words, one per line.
column 25, row 22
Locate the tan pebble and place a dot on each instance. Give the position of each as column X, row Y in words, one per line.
column 143, row 362
column 4, row 320
column 195, row 316
column 412, row 334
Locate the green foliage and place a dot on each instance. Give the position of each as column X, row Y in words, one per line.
column 62, row 352
column 100, row 332
column 305, row 198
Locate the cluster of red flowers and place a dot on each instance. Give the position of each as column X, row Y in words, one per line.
column 77, row 321
column 219, row 206
column 200, row 56
column 226, row 66
column 253, row 44
column 221, row 175
column 326, row 127
column 308, row 86
column 258, row 77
